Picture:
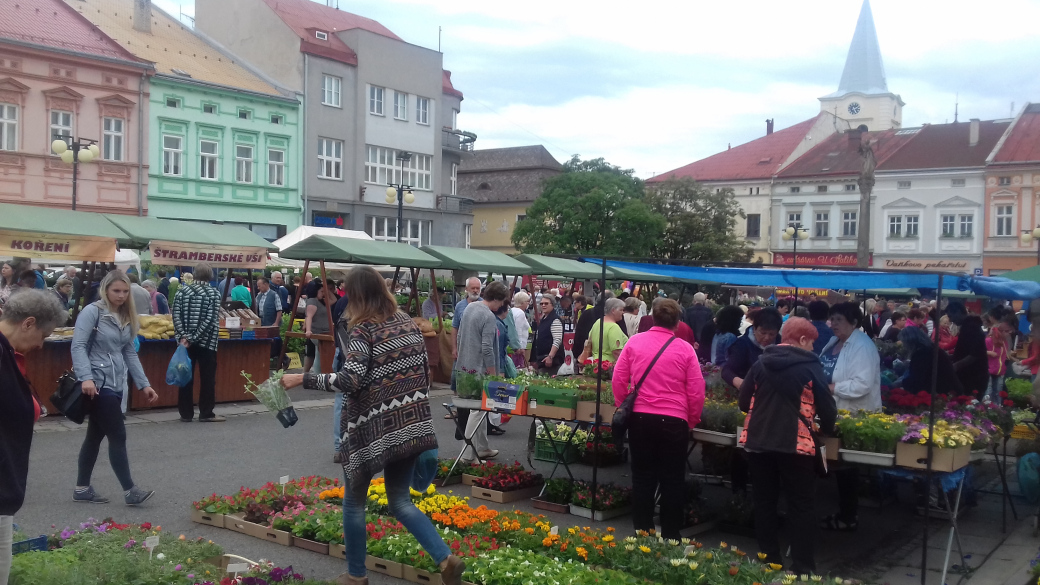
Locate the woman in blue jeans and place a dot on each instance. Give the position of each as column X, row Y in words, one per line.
column 386, row 371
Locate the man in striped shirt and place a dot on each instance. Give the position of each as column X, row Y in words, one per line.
column 196, row 323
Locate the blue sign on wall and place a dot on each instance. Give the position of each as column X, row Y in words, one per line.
column 326, row 221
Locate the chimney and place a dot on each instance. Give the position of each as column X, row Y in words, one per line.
column 973, row 132
column 769, row 126
column 855, row 138
column 143, row 16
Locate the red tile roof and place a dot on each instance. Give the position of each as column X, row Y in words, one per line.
column 839, row 154
column 52, row 23
column 305, row 17
column 757, row 159
column 1023, row 143
column 447, row 87
column 946, row 146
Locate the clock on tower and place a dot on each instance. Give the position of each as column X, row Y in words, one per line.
column 854, row 108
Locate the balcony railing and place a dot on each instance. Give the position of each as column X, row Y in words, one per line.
column 453, row 204
column 457, row 140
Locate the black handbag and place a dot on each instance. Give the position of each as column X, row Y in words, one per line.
column 623, row 414
column 69, row 398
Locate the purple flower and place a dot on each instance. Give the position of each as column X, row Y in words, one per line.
column 177, row 568
column 102, row 528
column 67, row 534
column 191, row 575
column 129, row 544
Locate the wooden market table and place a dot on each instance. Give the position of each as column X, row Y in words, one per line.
column 234, row 356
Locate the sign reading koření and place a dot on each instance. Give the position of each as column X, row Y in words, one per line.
column 178, row 254
column 57, row 246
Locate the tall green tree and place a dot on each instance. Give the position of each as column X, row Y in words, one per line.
column 593, row 207
column 700, row 223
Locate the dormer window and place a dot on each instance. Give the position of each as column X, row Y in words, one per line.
column 321, row 35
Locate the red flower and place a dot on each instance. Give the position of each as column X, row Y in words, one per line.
column 1003, row 394
column 1008, row 403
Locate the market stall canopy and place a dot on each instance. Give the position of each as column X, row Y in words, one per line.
column 360, row 252
column 58, row 234
column 1031, row 274
column 1000, row 288
column 305, row 231
column 563, row 267
column 178, row 243
column 477, row 260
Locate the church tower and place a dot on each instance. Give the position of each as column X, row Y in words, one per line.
column 863, row 96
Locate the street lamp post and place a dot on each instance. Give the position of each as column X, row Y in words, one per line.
column 1032, row 236
column 74, row 151
column 793, row 233
column 401, row 193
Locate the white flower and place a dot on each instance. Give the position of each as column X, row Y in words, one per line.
column 160, row 556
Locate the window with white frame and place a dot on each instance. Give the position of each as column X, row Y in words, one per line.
column 209, row 159
column 1005, row 217
column 112, row 139
column 520, row 217
column 822, row 225
column 413, row 231
column 375, row 100
column 848, row 224
column 173, row 151
column 967, row 224
column 454, row 119
column 422, row 110
column 850, row 186
column 821, row 188
column 454, row 179
column 796, row 189
column 275, row 167
column 383, row 168
column 330, row 90
column 9, row 127
column 895, row 226
column 949, row 225
column 243, row 163
column 957, row 182
column 902, row 184
column 400, row 105
column 753, row 225
column 794, row 218
column 330, row 158
column 61, row 126
column 1004, row 181
column 912, row 222
column 468, row 231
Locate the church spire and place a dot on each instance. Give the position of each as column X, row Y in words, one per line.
column 864, row 72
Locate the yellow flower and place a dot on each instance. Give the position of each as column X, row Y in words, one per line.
column 693, row 566
column 630, row 539
column 644, row 548
column 685, row 540
column 775, row 566
column 608, row 538
column 723, row 545
column 673, row 542
column 630, row 547
column 676, row 562
column 708, row 556
column 762, row 556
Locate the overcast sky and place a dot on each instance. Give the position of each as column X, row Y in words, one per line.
column 656, row 85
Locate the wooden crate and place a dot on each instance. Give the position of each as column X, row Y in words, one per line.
column 206, row 518
column 236, row 523
column 389, row 568
column 506, row 497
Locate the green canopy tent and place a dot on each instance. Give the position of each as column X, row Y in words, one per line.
column 44, row 220
column 1031, row 274
column 144, row 230
column 562, row 267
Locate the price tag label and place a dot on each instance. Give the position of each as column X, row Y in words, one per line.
column 689, row 549
column 233, row 323
column 284, row 479
column 554, row 530
column 151, row 542
column 238, row 568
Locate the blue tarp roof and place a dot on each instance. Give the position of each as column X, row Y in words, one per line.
column 993, row 287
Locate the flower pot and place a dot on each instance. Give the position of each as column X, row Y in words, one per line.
column 206, row 518
column 943, row 459
column 236, row 523
column 389, row 568
column 548, row 506
column 287, row 416
column 715, row 437
column 321, row 548
column 599, row 515
column 868, row 458
column 443, row 481
column 420, row 576
column 506, row 497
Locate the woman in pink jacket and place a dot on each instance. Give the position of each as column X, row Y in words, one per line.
column 668, row 405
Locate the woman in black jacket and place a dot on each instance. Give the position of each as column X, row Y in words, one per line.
column 919, row 374
column 29, row 316
column 969, row 356
column 782, row 394
column 547, row 352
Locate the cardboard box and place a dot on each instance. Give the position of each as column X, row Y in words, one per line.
column 468, row 479
column 553, row 412
column 586, row 412
column 420, row 576
column 833, row 445
column 545, row 396
column 236, row 523
column 506, row 497
column 206, row 518
column 503, row 397
column 338, row 551
column 385, row 567
column 321, row 548
column 943, row 460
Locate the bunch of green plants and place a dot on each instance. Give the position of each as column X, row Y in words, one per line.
column 559, row 490
column 721, row 417
column 872, row 433
column 589, row 394
column 1020, row 391
column 292, row 344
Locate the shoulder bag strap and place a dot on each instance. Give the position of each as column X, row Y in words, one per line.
column 639, row 384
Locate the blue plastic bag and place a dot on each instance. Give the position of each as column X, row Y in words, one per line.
column 425, row 470
column 1028, row 477
column 179, row 371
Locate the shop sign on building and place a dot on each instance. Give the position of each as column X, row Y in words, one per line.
column 954, row 265
column 817, row 259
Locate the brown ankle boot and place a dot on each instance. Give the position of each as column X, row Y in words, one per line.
column 347, row 579
column 451, row 570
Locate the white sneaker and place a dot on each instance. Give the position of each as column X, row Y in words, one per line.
column 489, row 454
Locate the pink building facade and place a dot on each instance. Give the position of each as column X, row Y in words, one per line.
column 60, row 75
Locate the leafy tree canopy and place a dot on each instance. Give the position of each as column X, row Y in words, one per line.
column 700, row 223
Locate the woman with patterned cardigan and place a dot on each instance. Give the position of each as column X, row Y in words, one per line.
column 386, row 420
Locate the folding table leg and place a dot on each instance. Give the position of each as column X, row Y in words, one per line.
column 467, row 439
column 954, row 531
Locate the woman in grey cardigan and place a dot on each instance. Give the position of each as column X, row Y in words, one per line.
column 102, row 356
